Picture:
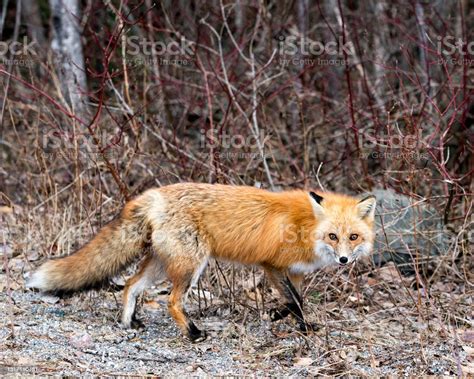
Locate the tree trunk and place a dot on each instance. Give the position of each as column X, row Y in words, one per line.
column 67, row 47
column 32, row 19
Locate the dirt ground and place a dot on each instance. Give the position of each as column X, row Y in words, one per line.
column 383, row 327
column 241, row 93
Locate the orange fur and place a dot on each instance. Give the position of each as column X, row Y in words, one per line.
column 287, row 233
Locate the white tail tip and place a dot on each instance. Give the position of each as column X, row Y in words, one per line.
column 37, row 280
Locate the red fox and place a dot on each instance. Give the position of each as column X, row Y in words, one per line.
column 287, row 233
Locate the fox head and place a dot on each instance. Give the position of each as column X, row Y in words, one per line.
column 345, row 227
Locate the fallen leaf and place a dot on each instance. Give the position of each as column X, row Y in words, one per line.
column 253, row 294
column 468, row 369
column 372, row 281
column 469, row 350
column 357, row 299
column 304, row 361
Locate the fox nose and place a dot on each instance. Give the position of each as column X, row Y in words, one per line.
column 343, row 260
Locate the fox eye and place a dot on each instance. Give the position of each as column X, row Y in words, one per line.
column 353, row 237
column 332, row 236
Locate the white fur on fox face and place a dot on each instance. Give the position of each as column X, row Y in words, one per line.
column 329, row 257
column 361, row 250
column 326, row 254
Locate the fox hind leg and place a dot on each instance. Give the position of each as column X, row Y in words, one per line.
column 183, row 274
column 150, row 270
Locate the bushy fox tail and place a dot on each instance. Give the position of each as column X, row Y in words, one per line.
column 115, row 247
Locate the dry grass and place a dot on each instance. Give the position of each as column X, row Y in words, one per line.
column 394, row 117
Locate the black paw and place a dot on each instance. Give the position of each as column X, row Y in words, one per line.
column 278, row 314
column 201, row 336
column 195, row 334
column 137, row 324
column 308, row 327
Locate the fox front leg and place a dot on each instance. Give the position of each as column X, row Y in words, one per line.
column 294, row 302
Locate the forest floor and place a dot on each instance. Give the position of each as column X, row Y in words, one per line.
column 387, row 327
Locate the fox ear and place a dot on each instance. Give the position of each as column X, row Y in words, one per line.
column 366, row 208
column 316, row 201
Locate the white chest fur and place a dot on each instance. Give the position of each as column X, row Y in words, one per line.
column 324, row 256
